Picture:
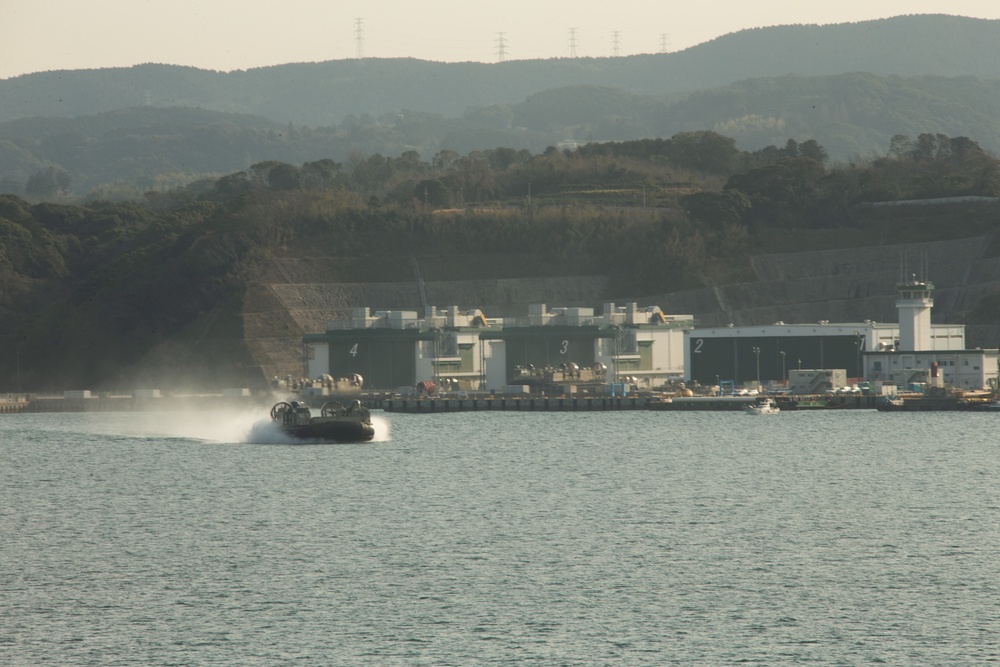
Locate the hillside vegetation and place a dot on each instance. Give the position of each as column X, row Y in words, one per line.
column 122, row 154
column 153, row 292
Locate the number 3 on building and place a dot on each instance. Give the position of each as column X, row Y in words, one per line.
column 564, row 348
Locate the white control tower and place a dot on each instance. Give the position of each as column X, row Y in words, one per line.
column 914, row 303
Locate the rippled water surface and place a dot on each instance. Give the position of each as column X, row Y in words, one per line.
column 847, row 538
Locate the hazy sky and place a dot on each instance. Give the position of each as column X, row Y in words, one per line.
column 39, row 35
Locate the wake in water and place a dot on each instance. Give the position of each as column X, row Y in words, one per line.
column 225, row 427
column 208, row 425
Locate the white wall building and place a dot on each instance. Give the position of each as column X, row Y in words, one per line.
column 466, row 350
column 923, row 350
column 875, row 351
column 638, row 346
column 394, row 348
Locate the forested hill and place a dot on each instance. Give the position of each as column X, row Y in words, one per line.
column 322, row 94
column 179, row 286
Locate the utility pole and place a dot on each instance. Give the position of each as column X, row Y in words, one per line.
column 501, row 47
column 616, row 43
column 859, row 346
column 572, row 42
column 359, row 38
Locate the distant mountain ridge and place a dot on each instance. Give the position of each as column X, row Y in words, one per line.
column 117, row 133
column 126, row 152
column 322, row 94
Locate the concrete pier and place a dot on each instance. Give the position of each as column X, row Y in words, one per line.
column 428, row 405
column 519, row 403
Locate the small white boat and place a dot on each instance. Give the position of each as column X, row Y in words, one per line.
column 764, row 407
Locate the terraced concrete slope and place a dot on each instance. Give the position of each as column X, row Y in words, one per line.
column 850, row 285
column 846, row 285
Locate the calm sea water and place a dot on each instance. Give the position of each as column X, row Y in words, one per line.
column 849, row 538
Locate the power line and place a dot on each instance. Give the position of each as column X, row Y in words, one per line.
column 359, row 38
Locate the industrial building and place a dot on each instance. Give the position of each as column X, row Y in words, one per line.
column 396, row 348
column 465, row 350
column 638, row 347
column 764, row 354
column 574, row 350
column 903, row 353
column 921, row 355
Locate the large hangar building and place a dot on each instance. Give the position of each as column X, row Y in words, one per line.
column 900, row 353
column 465, row 350
column 642, row 347
column 765, row 354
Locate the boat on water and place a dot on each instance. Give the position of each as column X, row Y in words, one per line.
column 938, row 403
column 766, row 406
column 335, row 423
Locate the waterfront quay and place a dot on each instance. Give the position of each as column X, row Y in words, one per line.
column 513, row 403
column 425, row 405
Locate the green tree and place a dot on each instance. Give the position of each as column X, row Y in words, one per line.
column 717, row 208
column 284, row 177
column 812, row 150
column 232, row 185
column 319, row 172
column 445, row 159
column 900, row 146
column 705, row 151
column 781, row 194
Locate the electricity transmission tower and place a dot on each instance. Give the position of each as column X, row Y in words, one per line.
column 359, row 38
column 501, row 47
column 572, row 42
column 664, row 43
column 616, row 44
